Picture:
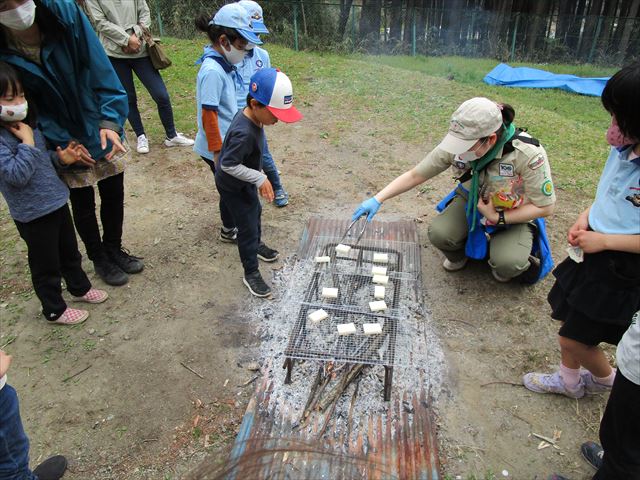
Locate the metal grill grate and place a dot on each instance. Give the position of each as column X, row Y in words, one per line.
column 351, row 273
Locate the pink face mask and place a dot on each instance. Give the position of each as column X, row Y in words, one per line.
column 615, row 138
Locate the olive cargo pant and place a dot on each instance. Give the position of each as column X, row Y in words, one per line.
column 509, row 249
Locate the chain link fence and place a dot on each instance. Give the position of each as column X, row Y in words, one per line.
column 345, row 27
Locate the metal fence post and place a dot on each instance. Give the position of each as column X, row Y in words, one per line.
column 295, row 27
column 413, row 34
column 160, row 26
column 513, row 38
column 595, row 39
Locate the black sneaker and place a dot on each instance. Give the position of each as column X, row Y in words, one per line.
column 109, row 272
column 592, row 453
column 122, row 258
column 52, row 468
column 267, row 254
column 256, row 285
column 229, row 236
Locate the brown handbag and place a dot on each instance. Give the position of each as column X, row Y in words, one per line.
column 158, row 57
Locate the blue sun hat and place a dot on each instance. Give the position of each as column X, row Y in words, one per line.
column 255, row 13
column 235, row 16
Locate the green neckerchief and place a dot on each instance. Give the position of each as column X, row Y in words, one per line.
column 477, row 166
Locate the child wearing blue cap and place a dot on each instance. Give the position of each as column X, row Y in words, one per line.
column 229, row 32
column 256, row 59
column 240, row 177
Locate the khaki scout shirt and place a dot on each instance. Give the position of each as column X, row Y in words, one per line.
column 115, row 21
column 521, row 176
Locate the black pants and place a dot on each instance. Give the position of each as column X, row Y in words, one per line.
column 53, row 254
column 83, row 202
column 620, row 432
column 245, row 209
column 225, row 215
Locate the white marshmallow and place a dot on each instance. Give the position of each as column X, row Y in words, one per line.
column 343, row 249
column 378, row 292
column 329, row 292
column 378, row 306
column 380, row 279
column 346, row 329
column 318, row 315
column 381, row 258
column 379, row 270
column 325, row 259
column 372, row 328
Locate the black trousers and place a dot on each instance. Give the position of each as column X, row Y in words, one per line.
column 620, row 432
column 53, row 254
column 83, row 202
column 225, row 215
column 246, row 210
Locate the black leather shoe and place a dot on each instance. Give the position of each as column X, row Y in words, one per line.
column 109, row 272
column 267, row 254
column 52, row 468
column 122, row 258
column 256, row 285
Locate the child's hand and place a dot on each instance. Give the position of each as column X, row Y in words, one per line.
column 74, row 153
column 5, row 361
column 266, row 191
column 23, row 132
column 114, row 138
column 486, row 208
column 590, row 242
column 581, row 225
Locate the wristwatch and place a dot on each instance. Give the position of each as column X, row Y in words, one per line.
column 501, row 220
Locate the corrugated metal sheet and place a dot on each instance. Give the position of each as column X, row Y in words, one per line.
column 398, row 444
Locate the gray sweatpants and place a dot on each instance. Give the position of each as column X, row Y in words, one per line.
column 509, row 249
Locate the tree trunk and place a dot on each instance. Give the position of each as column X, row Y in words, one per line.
column 627, row 28
column 610, row 8
column 595, row 9
column 535, row 32
column 370, row 21
column 345, row 9
column 395, row 22
column 452, row 18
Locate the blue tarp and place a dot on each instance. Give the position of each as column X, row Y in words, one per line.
column 526, row 77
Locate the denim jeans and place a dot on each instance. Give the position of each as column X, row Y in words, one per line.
column 152, row 81
column 14, row 444
column 269, row 167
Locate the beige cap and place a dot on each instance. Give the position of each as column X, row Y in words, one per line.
column 476, row 118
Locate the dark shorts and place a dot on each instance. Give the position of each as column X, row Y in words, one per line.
column 589, row 332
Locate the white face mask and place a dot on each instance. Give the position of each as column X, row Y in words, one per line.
column 233, row 55
column 19, row 18
column 14, row 113
column 250, row 46
column 471, row 155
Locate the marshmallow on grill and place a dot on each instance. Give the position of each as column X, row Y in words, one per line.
column 343, row 249
column 380, row 258
column 325, row 259
column 346, row 329
column 379, row 270
column 380, row 279
column 318, row 315
column 378, row 292
column 329, row 292
column 378, row 306
column 372, row 328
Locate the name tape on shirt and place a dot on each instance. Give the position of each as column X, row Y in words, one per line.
column 506, row 170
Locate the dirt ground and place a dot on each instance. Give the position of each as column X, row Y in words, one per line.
column 166, row 356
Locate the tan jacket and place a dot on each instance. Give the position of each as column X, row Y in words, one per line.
column 519, row 177
column 115, row 20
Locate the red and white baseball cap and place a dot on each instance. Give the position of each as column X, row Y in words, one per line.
column 273, row 88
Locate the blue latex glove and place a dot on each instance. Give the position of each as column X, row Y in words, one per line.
column 369, row 207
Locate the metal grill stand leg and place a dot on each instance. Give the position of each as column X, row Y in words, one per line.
column 288, row 364
column 388, row 380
